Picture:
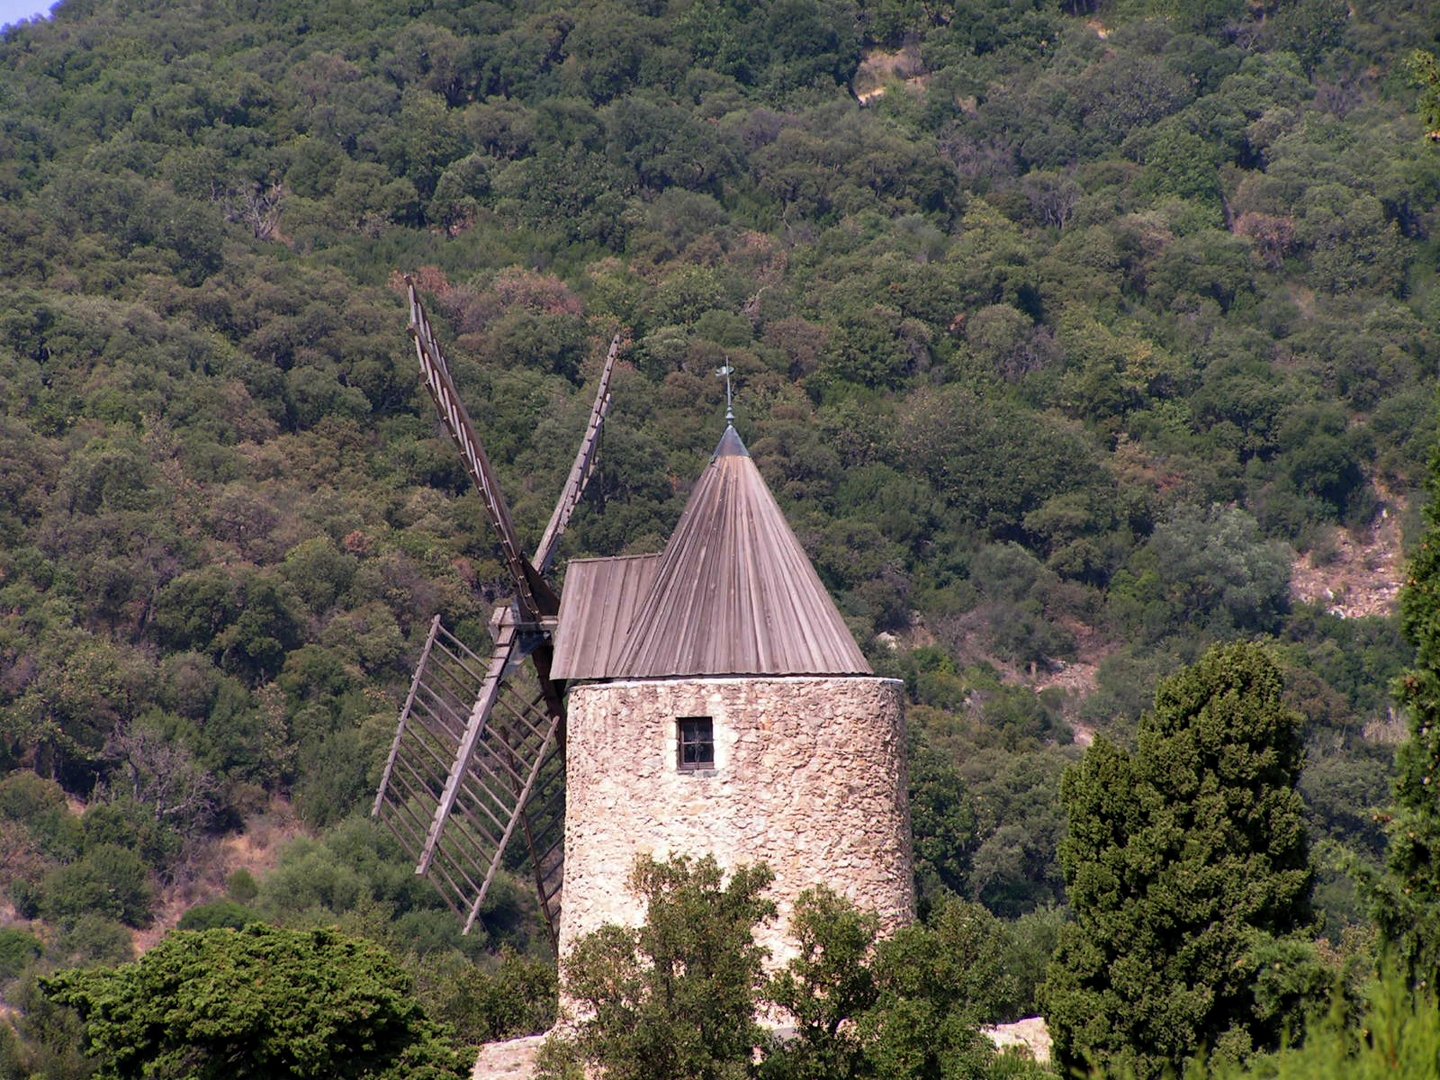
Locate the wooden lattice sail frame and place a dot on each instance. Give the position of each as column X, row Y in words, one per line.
column 479, row 751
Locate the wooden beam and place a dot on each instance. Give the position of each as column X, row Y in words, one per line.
column 582, row 468
column 535, row 597
column 404, row 714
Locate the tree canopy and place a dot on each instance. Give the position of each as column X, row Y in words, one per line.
column 1407, row 897
column 257, row 1002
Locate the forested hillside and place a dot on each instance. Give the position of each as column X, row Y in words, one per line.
column 1061, row 331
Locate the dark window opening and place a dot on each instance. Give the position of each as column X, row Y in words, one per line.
column 696, row 743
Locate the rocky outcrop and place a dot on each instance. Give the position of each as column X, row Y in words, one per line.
column 1030, row 1036
column 510, row 1060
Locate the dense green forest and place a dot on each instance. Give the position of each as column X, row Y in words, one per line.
column 1065, row 332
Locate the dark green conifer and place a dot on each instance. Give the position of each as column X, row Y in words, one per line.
column 1407, row 901
column 1188, row 872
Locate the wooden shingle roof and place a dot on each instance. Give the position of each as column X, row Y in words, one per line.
column 597, row 607
column 733, row 593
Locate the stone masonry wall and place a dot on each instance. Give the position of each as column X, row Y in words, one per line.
column 809, row 777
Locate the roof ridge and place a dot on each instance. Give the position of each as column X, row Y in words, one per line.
column 613, row 558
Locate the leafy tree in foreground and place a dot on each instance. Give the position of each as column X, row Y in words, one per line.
column 1189, row 879
column 505, row 999
column 937, row 984
column 678, row 997
column 675, row 998
column 824, row 988
column 258, row 1003
column 906, row 1008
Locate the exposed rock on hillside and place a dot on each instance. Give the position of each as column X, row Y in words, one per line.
column 1355, row 578
column 510, row 1060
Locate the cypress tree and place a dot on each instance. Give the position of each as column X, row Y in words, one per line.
column 1407, row 902
column 1188, row 871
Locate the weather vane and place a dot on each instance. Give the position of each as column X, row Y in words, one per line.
column 725, row 373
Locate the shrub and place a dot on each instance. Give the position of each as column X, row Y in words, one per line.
column 93, row 940
column 107, row 880
column 24, row 796
column 1398, row 1035
column 217, row 915
column 242, row 887
column 257, row 1003
column 516, row 997
column 17, row 949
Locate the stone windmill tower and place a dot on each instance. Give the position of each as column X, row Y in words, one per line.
column 719, row 705
column 706, row 700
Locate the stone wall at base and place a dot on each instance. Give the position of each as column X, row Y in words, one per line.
column 809, row 777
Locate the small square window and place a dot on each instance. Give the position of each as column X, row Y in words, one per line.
column 696, row 743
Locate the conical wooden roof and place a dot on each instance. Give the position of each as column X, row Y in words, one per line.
column 733, row 594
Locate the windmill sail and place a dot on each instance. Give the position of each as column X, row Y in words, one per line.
column 513, row 762
column 478, row 756
column 534, row 596
column 583, row 467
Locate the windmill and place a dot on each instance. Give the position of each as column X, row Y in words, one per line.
column 479, row 752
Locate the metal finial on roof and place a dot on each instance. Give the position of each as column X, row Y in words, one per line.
column 725, row 373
